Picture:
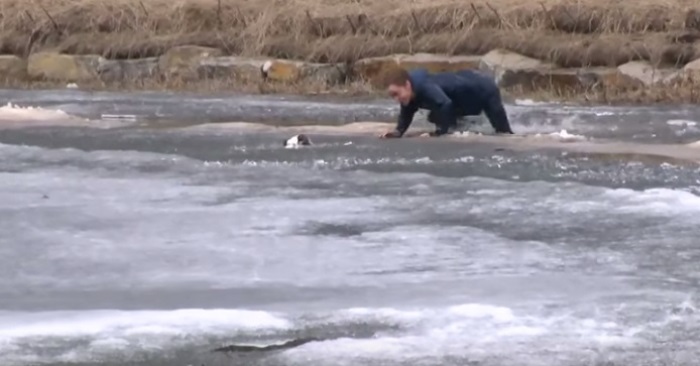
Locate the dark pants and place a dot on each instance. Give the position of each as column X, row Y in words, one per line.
column 494, row 111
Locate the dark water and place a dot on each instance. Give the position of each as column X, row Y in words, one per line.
column 152, row 246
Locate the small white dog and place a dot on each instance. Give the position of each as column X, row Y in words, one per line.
column 297, row 141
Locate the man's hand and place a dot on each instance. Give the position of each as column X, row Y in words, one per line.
column 393, row 134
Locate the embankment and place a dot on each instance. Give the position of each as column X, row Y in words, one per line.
column 643, row 51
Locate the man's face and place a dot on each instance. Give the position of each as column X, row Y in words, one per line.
column 401, row 93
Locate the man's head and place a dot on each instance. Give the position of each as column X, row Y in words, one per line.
column 398, row 85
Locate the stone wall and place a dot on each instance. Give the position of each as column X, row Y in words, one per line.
column 192, row 63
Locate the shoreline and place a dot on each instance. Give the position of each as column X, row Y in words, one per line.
column 190, row 69
column 555, row 51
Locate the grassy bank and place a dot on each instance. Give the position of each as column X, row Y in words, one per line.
column 589, row 33
column 594, row 33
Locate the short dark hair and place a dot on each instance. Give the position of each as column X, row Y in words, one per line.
column 395, row 76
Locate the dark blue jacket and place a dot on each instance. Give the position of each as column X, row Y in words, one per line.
column 449, row 94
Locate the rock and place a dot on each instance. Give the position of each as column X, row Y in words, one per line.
column 689, row 73
column 294, row 71
column 330, row 74
column 182, row 62
column 12, row 68
column 692, row 65
column 646, row 73
column 607, row 77
column 372, row 69
column 273, row 70
column 128, row 70
column 439, row 63
column 554, row 79
column 511, row 69
column 574, row 80
column 281, row 70
column 60, row 67
column 230, row 67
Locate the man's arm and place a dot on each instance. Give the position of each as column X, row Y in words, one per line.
column 442, row 105
column 406, row 117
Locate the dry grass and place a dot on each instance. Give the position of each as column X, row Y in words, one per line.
column 567, row 32
column 571, row 33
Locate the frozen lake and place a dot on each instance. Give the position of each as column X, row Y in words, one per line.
column 145, row 244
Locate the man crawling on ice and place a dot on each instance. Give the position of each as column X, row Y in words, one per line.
column 448, row 96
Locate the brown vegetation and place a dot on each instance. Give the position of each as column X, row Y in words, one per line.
column 572, row 34
column 566, row 32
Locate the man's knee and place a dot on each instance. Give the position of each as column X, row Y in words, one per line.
column 432, row 117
